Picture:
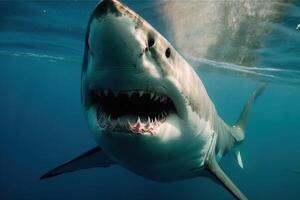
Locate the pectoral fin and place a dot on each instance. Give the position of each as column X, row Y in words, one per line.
column 90, row 159
column 215, row 170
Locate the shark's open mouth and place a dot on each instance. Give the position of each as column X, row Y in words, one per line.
column 135, row 111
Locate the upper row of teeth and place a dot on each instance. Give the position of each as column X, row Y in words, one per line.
column 154, row 96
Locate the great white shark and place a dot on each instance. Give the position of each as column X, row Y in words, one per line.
column 147, row 108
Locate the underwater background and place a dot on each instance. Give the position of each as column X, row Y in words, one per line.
column 233, row 45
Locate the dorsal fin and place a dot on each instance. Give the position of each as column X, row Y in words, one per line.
column 242, row 121
column 215, row 170
column 90, row 159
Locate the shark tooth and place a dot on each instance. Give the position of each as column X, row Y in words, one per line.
column 141, row 93
column 151, row 95
column 163, row 99
column 139, row 120
column 130, row 125
column 156, row 97
column 130, row 94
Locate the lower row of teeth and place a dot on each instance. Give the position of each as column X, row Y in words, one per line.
column 139, row 127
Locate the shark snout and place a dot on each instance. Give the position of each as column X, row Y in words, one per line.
column 106, row 6
column 118, row 33
column 114, row 40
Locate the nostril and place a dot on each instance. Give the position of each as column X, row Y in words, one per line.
column 151, row 41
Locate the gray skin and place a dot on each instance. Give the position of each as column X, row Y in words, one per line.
column 124, row 54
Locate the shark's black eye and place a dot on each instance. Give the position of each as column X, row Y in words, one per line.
column 168, row 52
column 151, row 42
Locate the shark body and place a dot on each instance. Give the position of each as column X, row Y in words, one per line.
column 146, row 107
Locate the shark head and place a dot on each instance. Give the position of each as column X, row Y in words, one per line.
column 142, row 100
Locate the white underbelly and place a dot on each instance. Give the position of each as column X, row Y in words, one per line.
column 152, row 159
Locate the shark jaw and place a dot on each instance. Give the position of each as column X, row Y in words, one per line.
column 137, row 111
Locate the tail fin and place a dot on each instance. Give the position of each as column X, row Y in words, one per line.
column 243, row 119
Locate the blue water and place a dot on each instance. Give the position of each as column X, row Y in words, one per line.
column 42, row 123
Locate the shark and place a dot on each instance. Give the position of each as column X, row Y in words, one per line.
column 147, row 108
